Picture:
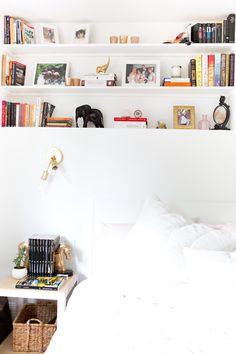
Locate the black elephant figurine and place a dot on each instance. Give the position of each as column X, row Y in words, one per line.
column 89, row 115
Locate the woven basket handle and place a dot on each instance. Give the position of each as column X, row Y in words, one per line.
column 29, row 322
column 33, row 321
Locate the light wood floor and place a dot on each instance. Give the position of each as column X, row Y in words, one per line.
column 6, row 347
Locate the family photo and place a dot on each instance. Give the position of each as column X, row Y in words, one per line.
column 50, row 74
column 141, row 74
column 184, row 117
column 48, row 33
column 81, row 33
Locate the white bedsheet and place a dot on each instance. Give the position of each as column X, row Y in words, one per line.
column 99, row 321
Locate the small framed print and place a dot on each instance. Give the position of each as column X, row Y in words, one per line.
column 81, row 33
column 48, row 33
column 141, row 73
column 184, row 117
column 51, row 74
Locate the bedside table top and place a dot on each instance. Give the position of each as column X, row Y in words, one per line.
column 7, row 288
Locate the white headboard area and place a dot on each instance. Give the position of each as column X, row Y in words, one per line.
column 127, row 210
column 110, row 211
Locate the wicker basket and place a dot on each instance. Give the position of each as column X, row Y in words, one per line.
column 33, row 327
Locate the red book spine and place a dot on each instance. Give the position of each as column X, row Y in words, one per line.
column 4, row 105
column 129, row 119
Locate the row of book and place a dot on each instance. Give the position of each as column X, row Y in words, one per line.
column 130, row 122
column 42, row 254
column 13, row 72
column 217, row 32
column 212, row 69
column 15, row 114
column 18, row 31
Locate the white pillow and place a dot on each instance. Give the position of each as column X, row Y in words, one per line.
column 108, row 250
column 180, row 238
column 216, row 240
column 144, row 265
column 212, row 272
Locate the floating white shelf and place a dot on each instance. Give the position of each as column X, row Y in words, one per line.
column 116, row 90
column 116, row 49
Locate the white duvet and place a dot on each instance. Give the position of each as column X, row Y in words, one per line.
column 98, row 321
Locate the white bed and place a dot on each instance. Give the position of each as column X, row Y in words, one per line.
column 162, row 285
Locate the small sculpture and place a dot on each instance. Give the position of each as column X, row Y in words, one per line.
column 161, row 125
column 103, row 68
column 62, row 252
column 89, row 115
column 180, row 38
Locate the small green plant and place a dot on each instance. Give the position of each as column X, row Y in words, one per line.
column 19, row 259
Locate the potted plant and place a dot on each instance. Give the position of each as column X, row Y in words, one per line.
column 19, row 271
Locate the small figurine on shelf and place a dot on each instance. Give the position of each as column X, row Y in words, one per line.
column 89, row 114
column 103, row 68
column 161, row 125
column 63, row 252
column 204, row 123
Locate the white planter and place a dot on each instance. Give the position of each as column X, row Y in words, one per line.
column 19, row 273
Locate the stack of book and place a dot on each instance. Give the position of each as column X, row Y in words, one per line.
column 176, row 81
column 17, row 31
column 130, row 122
column 13, row 72
column 15, row 114
column 212, row 69
column 41, row 254
column 98, row 80
column 217, row 32
column 41, row 283
column 63, row 122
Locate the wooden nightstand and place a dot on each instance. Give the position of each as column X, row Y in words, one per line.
column 7, row 288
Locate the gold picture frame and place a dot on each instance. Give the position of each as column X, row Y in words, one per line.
column 184, row 117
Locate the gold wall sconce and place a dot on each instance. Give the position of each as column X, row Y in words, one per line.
column 54, row 157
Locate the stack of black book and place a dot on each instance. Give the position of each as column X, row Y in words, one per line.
column 42, row 254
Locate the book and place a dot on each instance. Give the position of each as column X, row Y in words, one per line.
column 40, row 283
column 231, row 69
column 41, row 254
column 211, row 69
column 198, row 70
column 18, row 73
column 217, row 69
column 223, row 70
column 28, row 34
column 231, row 28
column 130, row 119
column 192, row 71
column 204, row 70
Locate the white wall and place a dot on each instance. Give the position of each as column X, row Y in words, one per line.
column 103, row 163
column 114, row 164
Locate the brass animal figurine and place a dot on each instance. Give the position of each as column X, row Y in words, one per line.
column 25, row 246
column 61, row 253
column 103, row 68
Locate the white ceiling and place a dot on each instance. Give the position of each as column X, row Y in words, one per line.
column 117, row 10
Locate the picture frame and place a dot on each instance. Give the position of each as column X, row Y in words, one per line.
column 138, row 72
column 53, row 74
column 184, row 117
column 48, row 33
column 81, row 33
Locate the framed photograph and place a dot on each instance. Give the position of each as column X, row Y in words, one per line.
column 81, row 33
column 141, row 73
column 184, row 117
column 48, row 33
column 51, row 74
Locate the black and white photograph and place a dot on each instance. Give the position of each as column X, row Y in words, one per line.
column 51, row 74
